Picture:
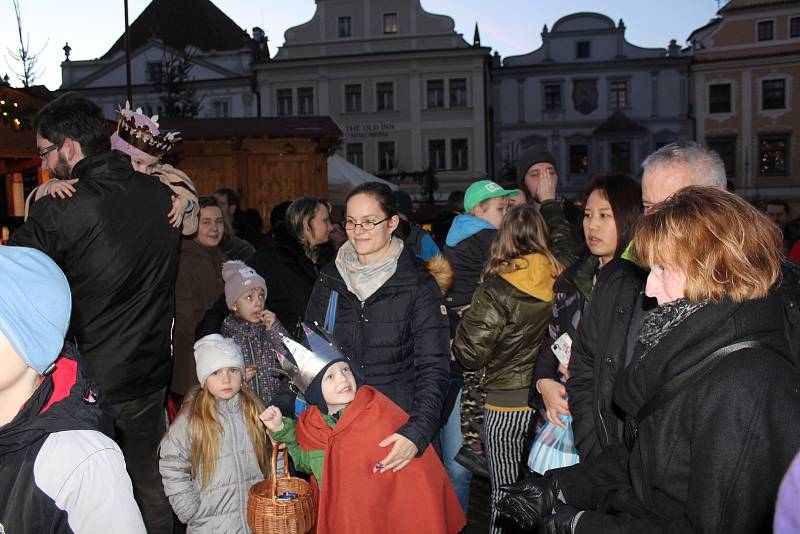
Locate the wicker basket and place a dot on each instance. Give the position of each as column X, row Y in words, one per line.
column 267, row 515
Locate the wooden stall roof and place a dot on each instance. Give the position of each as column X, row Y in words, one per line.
column 316, row 127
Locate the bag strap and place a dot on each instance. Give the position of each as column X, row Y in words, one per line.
column 690, row 375
column 330, row 313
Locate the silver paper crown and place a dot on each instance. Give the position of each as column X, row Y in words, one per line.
column 311, row 360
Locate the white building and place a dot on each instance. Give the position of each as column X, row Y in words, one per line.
column 221, row 72
column 407, row 90
column 597, row 102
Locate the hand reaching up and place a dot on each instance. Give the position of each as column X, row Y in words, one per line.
column 272, row 419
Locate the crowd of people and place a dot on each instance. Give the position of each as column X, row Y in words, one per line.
column 629, row 365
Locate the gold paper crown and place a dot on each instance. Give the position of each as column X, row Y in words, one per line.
column 142, row 137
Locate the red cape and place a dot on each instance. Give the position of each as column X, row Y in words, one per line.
column 418, row 499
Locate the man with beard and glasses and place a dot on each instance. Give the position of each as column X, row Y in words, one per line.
column 120, row 256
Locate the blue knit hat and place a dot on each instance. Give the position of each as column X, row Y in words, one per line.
column 35, row 305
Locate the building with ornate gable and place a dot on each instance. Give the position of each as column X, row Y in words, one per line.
column 596, row 101
column 745, row 75
column 407, row 90
column 221, row 61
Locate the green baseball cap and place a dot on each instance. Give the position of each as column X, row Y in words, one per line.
column 483, row 190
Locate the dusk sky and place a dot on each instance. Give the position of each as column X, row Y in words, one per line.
column 511, row 27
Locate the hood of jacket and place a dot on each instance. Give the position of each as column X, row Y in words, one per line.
column 534, row 275
column 66, row 399
column 465, row 226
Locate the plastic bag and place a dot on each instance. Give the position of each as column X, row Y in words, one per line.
column 553, row 447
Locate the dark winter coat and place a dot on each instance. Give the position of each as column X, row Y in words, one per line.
column 712, row 458
column 399, row 339
column 60, row 471
column 573, row 289
column 467, row 249
column 290, row 276
column 120, row 255
column 198, row 285
column 500, row 333
column 600, row 348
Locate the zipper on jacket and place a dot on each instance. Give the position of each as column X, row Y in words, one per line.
column 239, row 470
column 602, row 421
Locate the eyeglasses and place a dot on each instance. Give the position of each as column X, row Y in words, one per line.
column 43, row 152
column 366, row 226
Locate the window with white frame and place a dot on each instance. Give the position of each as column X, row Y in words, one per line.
column 384, row 93
column 459, row 154
column 436, row 154
column 390, row 23
column 618, row 92
column 435, row 92
column 765, row 30
column 345, row 26
column 305, row 100
column 773, row 155
column 355, row 154
column 458, row 92
column 220, row 109
column 352, row 97
column 386, row 156
column 284, row 100
column 552, row 97
column 773, row 94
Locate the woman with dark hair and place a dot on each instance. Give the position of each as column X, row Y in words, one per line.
column 386, row 311
column 710, row 398
column 614, row 203
column 289, row 265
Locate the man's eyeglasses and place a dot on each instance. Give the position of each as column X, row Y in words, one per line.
column 366, row 225
column 43, row 152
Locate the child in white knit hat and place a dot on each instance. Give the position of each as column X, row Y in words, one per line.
column 216, row 448
column 253, row 327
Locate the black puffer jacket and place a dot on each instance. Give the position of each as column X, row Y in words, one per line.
column 399, row 338
column 120, row 255
column 600, row 348
column 290, row 276
column 712, row 458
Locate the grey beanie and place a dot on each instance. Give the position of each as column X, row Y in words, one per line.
column 532, row 156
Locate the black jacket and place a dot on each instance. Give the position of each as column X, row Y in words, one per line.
column 573, row 288
column 63, row 486
column 120, row 255
column 600, row 348
column 290, row 276
column 467, row 259
column 711, row 459
column 399, row 338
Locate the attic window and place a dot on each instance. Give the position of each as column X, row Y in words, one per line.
column 583, row 49
column 155, row 71
column 390, row 23
column 345, row 26
column 766, row 30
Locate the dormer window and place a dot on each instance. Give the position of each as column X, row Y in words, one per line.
column 583, row 49
column 345, row 26
column 390, row 23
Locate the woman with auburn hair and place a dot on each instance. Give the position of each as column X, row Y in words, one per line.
column 711, row 397
column 501, row 332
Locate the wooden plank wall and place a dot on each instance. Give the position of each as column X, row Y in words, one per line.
column 265, row 172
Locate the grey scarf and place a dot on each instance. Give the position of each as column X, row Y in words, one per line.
column 364, row 280
column 661, row 321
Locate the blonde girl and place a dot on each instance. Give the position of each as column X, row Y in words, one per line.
column 216, row 447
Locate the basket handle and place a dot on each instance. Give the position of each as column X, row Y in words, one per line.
column 276, row 447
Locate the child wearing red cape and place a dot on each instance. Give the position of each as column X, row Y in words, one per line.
column 337, row 439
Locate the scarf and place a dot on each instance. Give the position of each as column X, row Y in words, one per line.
column 364, row 280
column 661, row 321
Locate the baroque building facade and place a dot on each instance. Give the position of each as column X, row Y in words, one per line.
column 599, row 103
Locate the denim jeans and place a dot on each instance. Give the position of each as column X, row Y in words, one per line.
column 452, row 440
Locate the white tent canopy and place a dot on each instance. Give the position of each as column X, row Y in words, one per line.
column 343, row 176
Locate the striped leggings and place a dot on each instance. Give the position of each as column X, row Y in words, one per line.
column 504, row 436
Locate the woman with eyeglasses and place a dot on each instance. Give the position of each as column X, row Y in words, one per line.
column 385, row 310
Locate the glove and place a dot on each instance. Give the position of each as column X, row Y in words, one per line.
column 562, row 521
column 528, row 500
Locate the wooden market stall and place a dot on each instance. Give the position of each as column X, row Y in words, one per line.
column 267, row 160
